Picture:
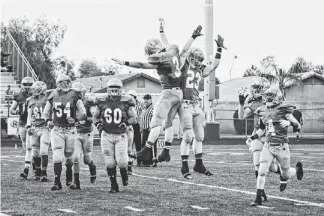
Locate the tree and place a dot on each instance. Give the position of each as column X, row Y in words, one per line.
column 65, row 66
column 274, row 74
column 300, row 66
column 38, row 41
column 252, row 71
column 110, row 68
column 319, row 69
column 89, row 68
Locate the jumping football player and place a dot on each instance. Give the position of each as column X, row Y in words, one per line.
column 84, row 139
column 167, row 63
column 115, row 113
column 64, row 102
column 275, row 118
column 18, row 107
column 37, row 129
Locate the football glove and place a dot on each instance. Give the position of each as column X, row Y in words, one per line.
column 220, row 42
column 99, row 126
column 30, row 130
column 161, row 20
column 70, row 120
column 50, row 124
column 197, row 32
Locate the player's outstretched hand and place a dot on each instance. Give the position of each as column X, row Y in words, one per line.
column 220, row 42
column 161, row 20
column 284, row 123
column 197, row 32
column 118, row 61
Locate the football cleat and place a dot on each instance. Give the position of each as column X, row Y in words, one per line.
column 202, row 169
column 258, row 199
column 155, row 162
column 24, row 174
column 75, row 186
column 283, row 184
column 299, row 171
column 114, row 188
column 93, row 173
column 164, row 156
column 264, row 197
column 144, row 154
column 57, row 186
column 185, row 172
column 38, row 174
column 44, row 176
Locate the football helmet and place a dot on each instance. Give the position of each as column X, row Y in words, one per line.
column 63, row 82
column 152, row 46
column 259, row 86
column 38, row 88
column 79, row 87
column 114, row 87
column 273, row 96
column 195, row 56
column 132, row 92
column 26, row 84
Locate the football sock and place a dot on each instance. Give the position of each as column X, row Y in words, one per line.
column 44, row 161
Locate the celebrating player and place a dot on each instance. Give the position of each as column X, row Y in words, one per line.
column 167, row 63
column 84, row 139
column 64, row 102
column 36, row 128
column 18, row 107
column 115, row 113
column 275, row 118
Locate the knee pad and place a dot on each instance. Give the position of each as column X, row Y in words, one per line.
column 285, row 174
column 110, row 162
column 57, row 156
column 188, row 136
column 256, row 145
column 200, row 138
column 155, row 122
column 87, row 159
column 256, row 158
column 36, row 153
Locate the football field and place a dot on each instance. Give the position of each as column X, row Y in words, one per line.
column 162, row 190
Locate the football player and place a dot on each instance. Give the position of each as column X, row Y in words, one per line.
column 84, row 139
column 37, row 129
column 18, row 107
column 115, row 113
column 191, row 116
column 275, row 118
column 64, row 102
column 167, row 63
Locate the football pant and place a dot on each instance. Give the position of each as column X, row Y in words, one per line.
column 83, row 144
column 40, row 141
column 63, row 142
column 114, row 148
column 256, row 148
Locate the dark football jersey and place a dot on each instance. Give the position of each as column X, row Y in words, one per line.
column 190, row 82
column 253, row 105
column 63, row 106
column 85, row 126
column 37, row 106
column 113, row 113
column 271, row 117
column 21, row 97
column 168, row 63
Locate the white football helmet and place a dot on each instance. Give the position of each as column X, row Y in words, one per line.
column 195, row 56
column 132, row 92
column 259, row 86
column 114, row 87
column 273, row 96
column 152, row 46
column 63, row 82
column 79, row 87
column 26, row 84
column 38, row 88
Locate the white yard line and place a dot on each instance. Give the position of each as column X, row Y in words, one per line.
column 315, row 170
column 67, row 210
column 3, row 214
column 265, row 207
column 134, row 209
column 198, row 207
column 230, row 189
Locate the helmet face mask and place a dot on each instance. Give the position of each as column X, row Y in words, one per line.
column 259, row 86
column 38, row 88
column 152, row 46
column 63, row 83
column 26, row 84
column 195, row 57
column 114, row 87
column 273, row 96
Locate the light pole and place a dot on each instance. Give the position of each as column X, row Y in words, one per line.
column 235, row 57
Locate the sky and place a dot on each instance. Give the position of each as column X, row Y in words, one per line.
column 252, row 29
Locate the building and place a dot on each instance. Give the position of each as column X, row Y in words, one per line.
column 142, row 83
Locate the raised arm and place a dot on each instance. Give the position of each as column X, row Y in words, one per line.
column 210, row 68
column 163, row 37
column 186, row 47
column 135, row 64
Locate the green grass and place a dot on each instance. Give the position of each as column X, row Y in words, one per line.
column 169, row 193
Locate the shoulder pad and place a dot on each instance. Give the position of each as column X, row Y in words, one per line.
column 88, row 100
column 48, row 92
column 51, row 93
column 126, row 98
column 16, row 95
column 154, row 59
column 286, row 108
column 99, row 97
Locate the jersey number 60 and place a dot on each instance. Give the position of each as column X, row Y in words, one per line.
column 115, row 115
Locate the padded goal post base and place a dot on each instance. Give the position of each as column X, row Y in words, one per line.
column 211, row 132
